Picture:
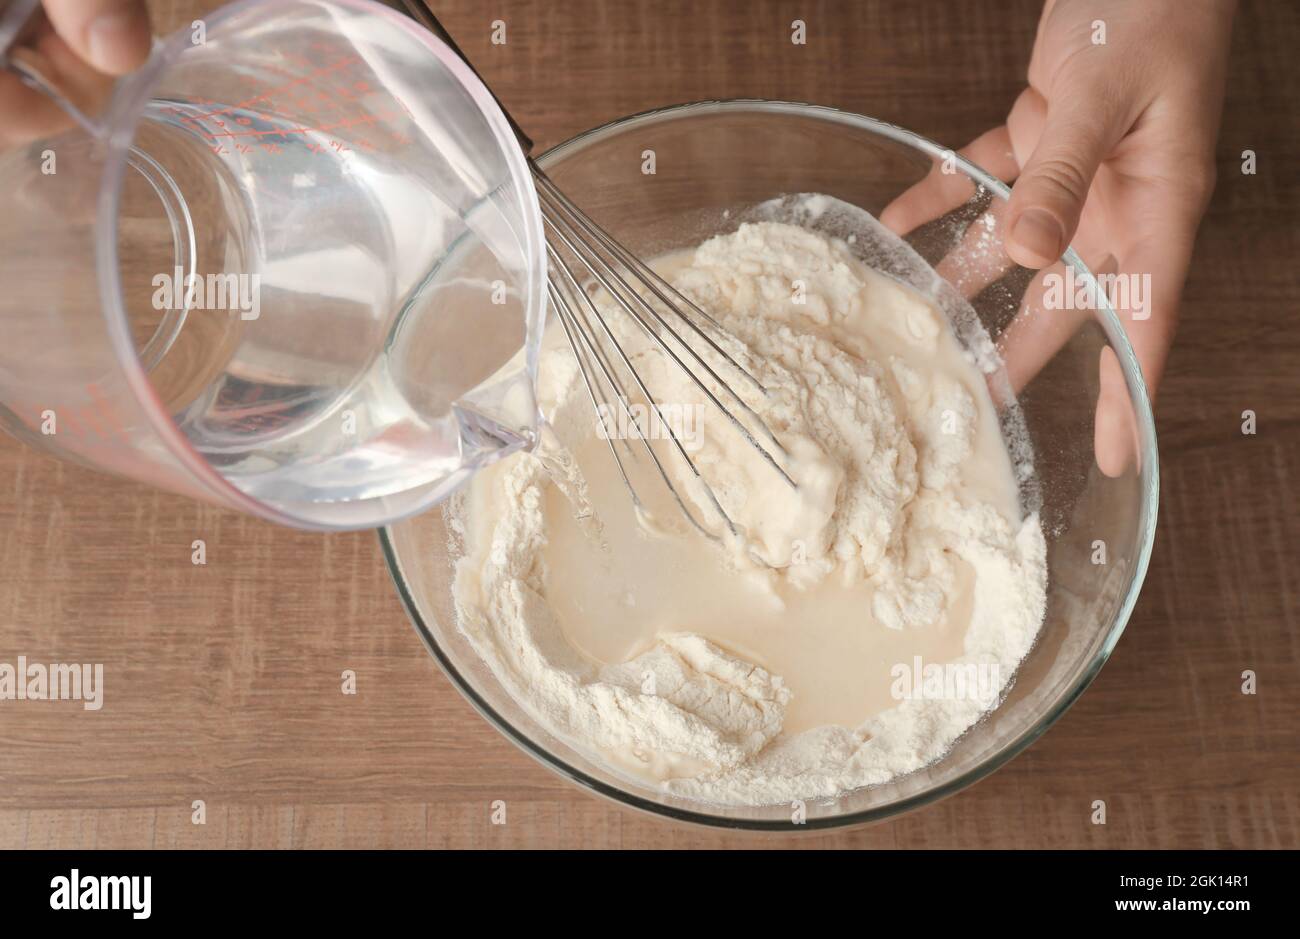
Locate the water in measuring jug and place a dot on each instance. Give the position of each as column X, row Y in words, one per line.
column 351, row 387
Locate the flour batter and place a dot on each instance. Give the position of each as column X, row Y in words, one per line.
column 777, row 666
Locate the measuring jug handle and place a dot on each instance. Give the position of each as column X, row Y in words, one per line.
column 419, row 11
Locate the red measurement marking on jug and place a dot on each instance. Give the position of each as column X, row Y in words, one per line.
column 339, row 104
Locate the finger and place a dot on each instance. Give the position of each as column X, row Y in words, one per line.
column 979, row 258
column 1044, row 324
column 1025, row 124
column 1115, row 429
column 30, row 114
column 940, row 192
column 1154, row 272
column 111, row 35
column 1079, row 131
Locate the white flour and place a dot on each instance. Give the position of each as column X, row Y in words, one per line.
column 906, row 508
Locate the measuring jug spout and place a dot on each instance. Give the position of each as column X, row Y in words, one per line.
column 484, row 439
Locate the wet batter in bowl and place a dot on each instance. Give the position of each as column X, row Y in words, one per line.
column 858, row 624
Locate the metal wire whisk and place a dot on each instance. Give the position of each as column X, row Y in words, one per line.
column 581, row 253
column 672, row 322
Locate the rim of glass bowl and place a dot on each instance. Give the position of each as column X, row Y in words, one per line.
column 1149, row 473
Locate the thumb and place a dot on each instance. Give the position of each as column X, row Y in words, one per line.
column 111, row 35
column 1048, row 198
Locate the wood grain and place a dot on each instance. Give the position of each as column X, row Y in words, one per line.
column 222, row 681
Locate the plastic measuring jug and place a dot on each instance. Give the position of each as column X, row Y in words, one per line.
column 293, row 265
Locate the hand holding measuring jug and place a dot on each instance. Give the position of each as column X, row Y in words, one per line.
column 79, row 44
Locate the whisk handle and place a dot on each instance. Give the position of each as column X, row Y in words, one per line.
column 419, row 11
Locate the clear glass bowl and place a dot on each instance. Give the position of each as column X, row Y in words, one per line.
column 713, row 157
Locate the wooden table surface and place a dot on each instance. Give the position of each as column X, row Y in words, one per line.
column 222, row 681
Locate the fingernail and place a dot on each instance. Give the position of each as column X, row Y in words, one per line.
column 1038, row 236
column 117, row 41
